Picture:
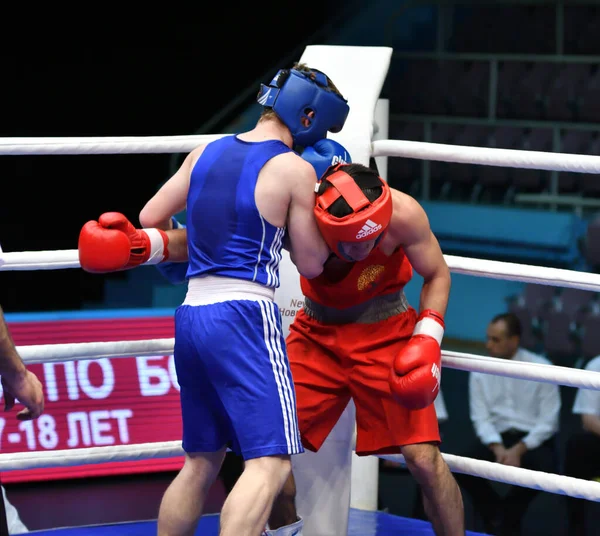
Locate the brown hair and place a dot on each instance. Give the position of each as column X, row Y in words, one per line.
column 512, row 322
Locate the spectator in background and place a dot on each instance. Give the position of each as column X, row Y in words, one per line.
column 582, row 453
column 516, row 422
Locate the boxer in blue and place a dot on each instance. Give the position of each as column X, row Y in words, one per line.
column 245, row 194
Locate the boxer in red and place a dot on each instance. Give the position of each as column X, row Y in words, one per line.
column 357, row 337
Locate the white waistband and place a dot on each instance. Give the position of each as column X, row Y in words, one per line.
column 209, row 289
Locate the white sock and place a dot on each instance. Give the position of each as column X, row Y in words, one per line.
column 15, row 525
column 295, row 529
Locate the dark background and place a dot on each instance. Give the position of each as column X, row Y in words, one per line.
column 111, row 73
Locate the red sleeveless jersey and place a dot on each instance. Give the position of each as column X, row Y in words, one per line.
column 377, row 275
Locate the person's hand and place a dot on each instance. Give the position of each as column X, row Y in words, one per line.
column 513, row 455
column 27, row 389
column 499, row 451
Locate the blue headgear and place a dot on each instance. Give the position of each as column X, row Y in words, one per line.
column 293, row 94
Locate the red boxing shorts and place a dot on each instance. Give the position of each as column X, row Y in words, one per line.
column 332, row 363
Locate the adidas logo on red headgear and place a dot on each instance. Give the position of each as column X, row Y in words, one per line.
column 368, row 228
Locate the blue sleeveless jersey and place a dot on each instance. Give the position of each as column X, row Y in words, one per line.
column 226, row 234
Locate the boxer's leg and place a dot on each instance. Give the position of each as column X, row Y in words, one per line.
column 205, row 432
column 319, row 492
column 384, row 426
column 259, row 399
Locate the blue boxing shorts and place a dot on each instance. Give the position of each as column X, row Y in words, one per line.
column 235, row 379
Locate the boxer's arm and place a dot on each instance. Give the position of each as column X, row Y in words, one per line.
column 10, row 360
column 416, row 373
column 423, row 251
column 178, row 250
column 308, row 250
column 323, row 154
column 171, row 198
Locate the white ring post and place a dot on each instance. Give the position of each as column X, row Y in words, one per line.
column 326, row 507
column 365, row 469
column 382, row 120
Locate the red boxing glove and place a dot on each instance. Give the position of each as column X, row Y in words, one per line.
column 417, row 369
column 112, row 244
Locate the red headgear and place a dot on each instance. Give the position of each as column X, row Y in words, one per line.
column 368, row 219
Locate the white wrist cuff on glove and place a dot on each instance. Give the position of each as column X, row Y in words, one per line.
column 428, row 326
column 157, row 246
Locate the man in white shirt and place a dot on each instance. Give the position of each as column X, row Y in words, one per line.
column 516, row 422
column 582, row 449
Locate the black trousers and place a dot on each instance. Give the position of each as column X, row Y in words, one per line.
column 500, row 515
column 582, row 460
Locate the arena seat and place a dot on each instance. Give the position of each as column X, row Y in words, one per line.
column 495, row 182
column 582, row 27
column 589, row 104
column 466, row 177
column 406, row 79
column 469, row 96
column 561, row 95
column 530, row 306
column 440, row 172
column 576, row 302
column 560, row 338
column 573, row 142
column 405, row 173
column 507, row 233
column 482, row 28
column 590, row 335
column 509, row 73
column 533, row 180
column 528, row 95
column 592, row 243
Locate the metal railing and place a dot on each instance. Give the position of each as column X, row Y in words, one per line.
column 554, row 199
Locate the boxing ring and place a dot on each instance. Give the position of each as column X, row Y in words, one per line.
column 364, row 519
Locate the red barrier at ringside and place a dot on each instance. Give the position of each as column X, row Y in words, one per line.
column 95, row 403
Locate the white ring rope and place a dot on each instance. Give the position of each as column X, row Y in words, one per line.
column 408, row 149
column 43, row 353
column 552, row 483
column 526, row 273
column 487, row 156
column 104, row 145
column 494, row 269
column 53, row 353
column 40, row 260
column 560, row 484
column 540, row 372
column 86, row 456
